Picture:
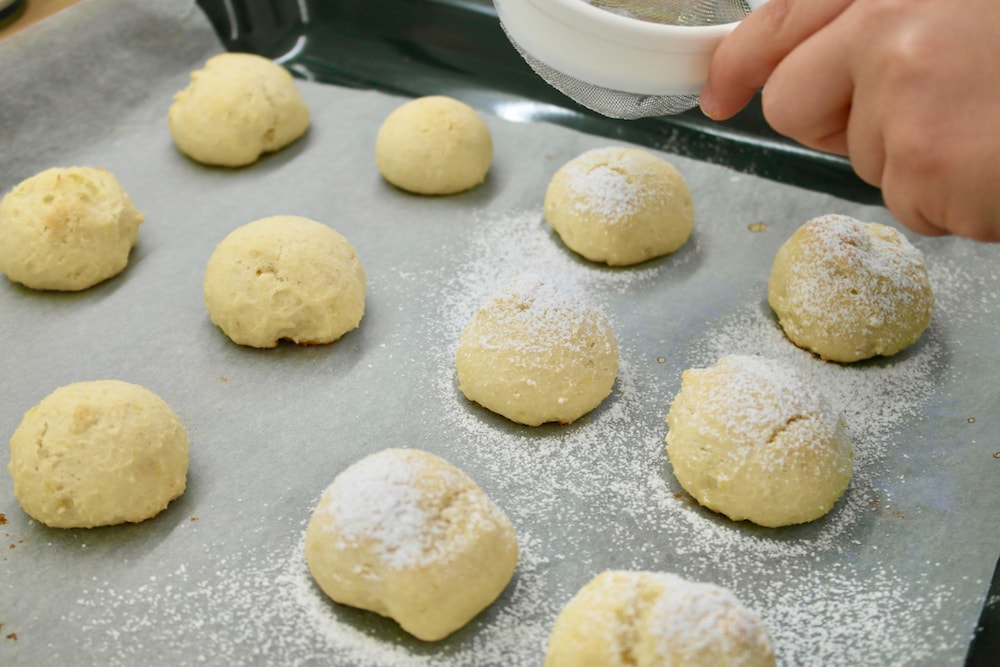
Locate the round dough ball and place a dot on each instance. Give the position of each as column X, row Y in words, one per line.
column 648, row 619
column 97, row 454
column 66, row 229
column 284, row 278
column 849, row 290
column 407, row 535
column 238, row 107
column 434, row 146
column 620, row 206
column 753, row 439
column 537, row 352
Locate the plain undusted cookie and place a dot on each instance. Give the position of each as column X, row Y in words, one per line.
column 284, row 278
column 849, row 290
column 434, row 146
column 97, row 454
column 407, row 535
column 620, row 206
column 537, row 352
column 238, row 107
column 648, row 619
column 66, row 229
column 753, row 439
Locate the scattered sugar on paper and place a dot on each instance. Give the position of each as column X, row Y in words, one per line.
column 257, row 606
column 607, row 473
column 605, row 459
column 520, row 241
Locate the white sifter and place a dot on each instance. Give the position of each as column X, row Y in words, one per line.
column 622, row 58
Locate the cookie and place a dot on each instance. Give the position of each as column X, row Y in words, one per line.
column 849, row 290
column 537, row 352
column 405, row 534
column 238, row 107
column 751, row 438
column 434, row 145
column 620, row 206
column 626, row 618
column 97, row 454
column 284, row 278
column 67, row 229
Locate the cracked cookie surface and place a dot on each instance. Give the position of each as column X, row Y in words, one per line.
column 625, row 618
column 848, row 290
column 752, row 439
column 620, row 206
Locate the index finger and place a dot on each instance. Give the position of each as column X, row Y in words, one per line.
column 745, row 59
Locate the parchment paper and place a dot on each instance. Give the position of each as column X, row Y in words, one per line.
column 896, row 574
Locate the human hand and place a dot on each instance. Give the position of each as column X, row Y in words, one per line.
column 909, row 90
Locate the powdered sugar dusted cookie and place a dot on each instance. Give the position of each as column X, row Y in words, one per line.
column 753, row 439
column 97, row 454
column 537, row 352
column 620, row 206
column 405, row 534
column 849, row 290
column 284, row 278
column 67, row 229
column 239, row 106
column 434, row 145
column 624, row 619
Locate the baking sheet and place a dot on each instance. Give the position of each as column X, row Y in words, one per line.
column 896, row 575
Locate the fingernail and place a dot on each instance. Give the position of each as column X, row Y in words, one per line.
column 707, row 103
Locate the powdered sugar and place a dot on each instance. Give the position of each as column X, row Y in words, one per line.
column 753, row 440
column 850, row 290
column 838, row 616
column 677, row 13
column 377, row 501
column 598, row 183
column 752, row 397
column 703, row 619
column 599, row 494
column 543, row 313
column 618, row 447
column 260, row 606
column 657, row 618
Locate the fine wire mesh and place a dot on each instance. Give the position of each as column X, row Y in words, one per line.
column 607, row 101
column 627, row 105
column 678, row 12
